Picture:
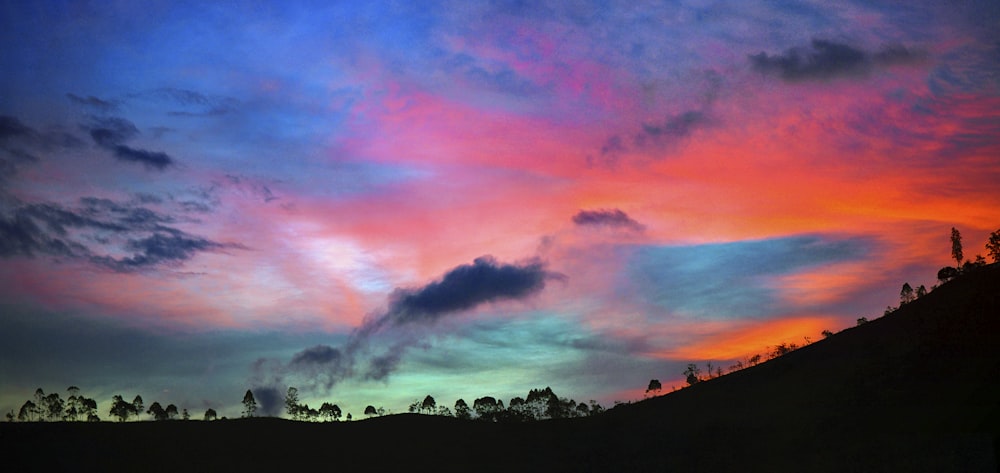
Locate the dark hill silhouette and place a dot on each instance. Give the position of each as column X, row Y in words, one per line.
column 916, row 390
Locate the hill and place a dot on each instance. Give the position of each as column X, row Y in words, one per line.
column 916, row 390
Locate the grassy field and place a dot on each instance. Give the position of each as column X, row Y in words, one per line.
column 916, row 390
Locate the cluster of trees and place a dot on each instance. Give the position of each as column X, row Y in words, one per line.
column 298, row 411
column 538, row 405
column 948, row 273
column 51, row 407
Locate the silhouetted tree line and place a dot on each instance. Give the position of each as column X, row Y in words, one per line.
column 539, row 404
column 77, row 407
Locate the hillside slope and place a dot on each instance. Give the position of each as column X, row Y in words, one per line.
column 916, row 390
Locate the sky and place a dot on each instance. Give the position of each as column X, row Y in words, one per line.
column 377, row 201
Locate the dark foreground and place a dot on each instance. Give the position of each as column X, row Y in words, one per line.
column 917, row 390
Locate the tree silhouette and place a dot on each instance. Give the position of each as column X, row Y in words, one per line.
column 921, row 291
column 691, row 374
column 330, row 411
column 486, row 408
column 462, row 410
column 120, row 408
column 370, row 411
column 210, row 414
column 171, row 411
column 72, row 404
column 654, row 387
column 157, row 412
column 956, row 246
column 27, row 411
column 428, row 405
column 185, row 415
column 906, row 294
column 137, row 405
column 946, row 274
column 292, row 403
column 249, row 404
column 993, row 246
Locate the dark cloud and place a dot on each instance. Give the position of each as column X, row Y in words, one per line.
column 465, row 287
column 460, row 289
column 318, row 354
column 20, row 142
column 99, row 105
column 824, row 60
column 614, row 218
column 672, row 130
column 193, row 103
column 270, row 400
column 11, row 127
column 100, row 228
column 111, row 133
column 151, row 159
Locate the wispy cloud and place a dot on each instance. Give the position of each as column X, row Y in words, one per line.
column 111, row 132
column 824, row 60
column 612, row 218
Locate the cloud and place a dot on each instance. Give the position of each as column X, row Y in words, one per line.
column 19, row 142
column 97, row 231
column 151, row 159
column 612, row 218
column 99, row 105
column 460, row 289
column 194, row 104
column 824, row 60
column 110, row 133
column 672, row 129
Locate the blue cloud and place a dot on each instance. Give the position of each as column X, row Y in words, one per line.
column 727, row 280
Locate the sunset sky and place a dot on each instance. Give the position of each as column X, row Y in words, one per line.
column 376, row 201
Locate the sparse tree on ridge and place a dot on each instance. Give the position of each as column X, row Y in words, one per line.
column 906, row 294
column 654, row 388
column 249, row 404
column 171, row 411
column 210, row 414
column 370, row 411
column 27, row 411
column 691, row 374
column 993, row 246
column 921, row 291
column 956, row 247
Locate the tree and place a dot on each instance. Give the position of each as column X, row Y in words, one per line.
column 691, row 374
column 956, row 246
column 862, row 320
column 185, row 415
column 10, row 416
column 370, row 411
column 654, row 387
column 428, row 405
column 292, row 403
column 120, row 408
column 462, row 410
column 249, row 404
column 330, row 411
column 156, row 411
column 827, row 334
column 993, row 246
column 137, row 405
column 210, row 414
column 486, row 408
column 72, row 403
column 921, row 291
column 27, row 411
column 171, row 411
column 906, row 294
column 946, row 274
column 53, row 407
